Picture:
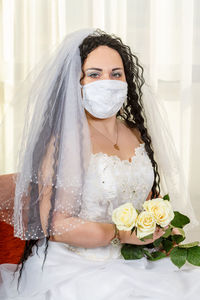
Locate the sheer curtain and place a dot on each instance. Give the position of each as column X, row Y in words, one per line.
column 164, row 34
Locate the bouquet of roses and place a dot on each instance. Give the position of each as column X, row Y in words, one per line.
column 157, row 212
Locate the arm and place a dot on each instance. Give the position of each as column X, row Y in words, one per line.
column 95, row 234
column 87, row 235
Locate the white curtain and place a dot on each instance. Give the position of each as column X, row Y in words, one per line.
column 165, row 34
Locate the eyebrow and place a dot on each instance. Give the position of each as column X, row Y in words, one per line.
column 97, row 69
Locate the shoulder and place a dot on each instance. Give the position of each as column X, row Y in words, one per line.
column 135, row 131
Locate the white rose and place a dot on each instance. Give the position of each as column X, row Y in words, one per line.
column 145, row 224
column 125, row 216
column 161, row 209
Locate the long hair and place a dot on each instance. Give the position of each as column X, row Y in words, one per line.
column 132, row 113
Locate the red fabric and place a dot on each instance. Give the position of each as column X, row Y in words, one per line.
column 11, row 248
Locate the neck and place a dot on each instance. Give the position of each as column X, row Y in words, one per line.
column 105, row 126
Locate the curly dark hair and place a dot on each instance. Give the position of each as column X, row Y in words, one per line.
column 132, row 113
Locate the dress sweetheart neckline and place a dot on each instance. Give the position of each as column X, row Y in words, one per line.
column 117, row 157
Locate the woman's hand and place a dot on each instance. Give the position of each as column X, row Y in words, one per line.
column 128, row 238
column 175, row 231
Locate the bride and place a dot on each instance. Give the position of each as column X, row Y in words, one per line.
column 92, row 141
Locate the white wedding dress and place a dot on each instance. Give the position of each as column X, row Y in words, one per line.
column 74, row 273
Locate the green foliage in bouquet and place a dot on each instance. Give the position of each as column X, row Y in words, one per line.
column 167, row 245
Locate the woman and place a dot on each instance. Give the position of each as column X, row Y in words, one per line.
column 86, row 150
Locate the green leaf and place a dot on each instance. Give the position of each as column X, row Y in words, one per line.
column 150, row 245
column 166, row 197
column 177, row 238
column 157, row 255
column 178, row 256
column 167, row 233
column 148, row 254
column 182, row 232
column 193, row 256
column 179, row 220
column 167, row 245
column 129, row 251
column 157, row 242
column 189, row 245
column 150, row 236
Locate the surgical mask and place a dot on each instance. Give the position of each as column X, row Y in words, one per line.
column 104, row 98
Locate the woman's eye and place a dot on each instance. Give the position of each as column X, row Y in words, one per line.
column 93, row 75
column 117, row 75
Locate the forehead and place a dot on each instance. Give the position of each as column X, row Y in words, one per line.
column 103, row 56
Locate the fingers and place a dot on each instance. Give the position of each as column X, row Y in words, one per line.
column 175, row 231
column 159, row 232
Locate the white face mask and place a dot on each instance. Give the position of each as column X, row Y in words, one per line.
column 104, row 98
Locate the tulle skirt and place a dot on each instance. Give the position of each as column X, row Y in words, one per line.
column 97, row 274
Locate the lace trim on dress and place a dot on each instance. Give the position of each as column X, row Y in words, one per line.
column 116, row 158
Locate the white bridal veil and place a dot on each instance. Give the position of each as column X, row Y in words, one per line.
column 55, row 150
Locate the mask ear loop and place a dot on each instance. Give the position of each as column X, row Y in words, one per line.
column 81, row 87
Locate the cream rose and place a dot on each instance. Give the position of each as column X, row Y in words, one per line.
column 145, row 224
column 125, row 216
column 161, row 209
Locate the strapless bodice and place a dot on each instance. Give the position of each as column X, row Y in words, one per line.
column 111, row 182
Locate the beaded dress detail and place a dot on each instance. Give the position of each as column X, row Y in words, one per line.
column 111, row 182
